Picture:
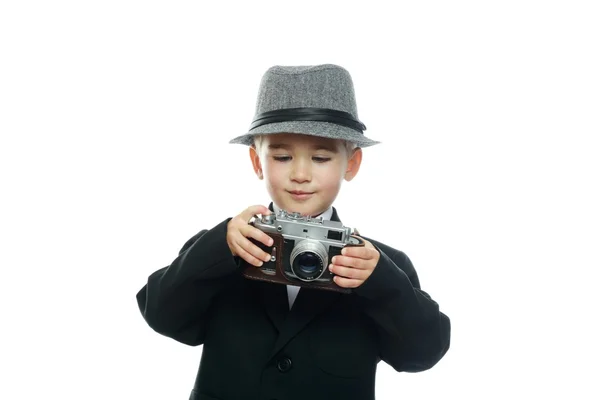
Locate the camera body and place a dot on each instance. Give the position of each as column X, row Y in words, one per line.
column 302, row 250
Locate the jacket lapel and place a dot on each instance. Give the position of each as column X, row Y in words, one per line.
column 334, row 215
column 275, row 302
column 308, row 304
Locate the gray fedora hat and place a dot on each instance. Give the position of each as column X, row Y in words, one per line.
column 312, row 100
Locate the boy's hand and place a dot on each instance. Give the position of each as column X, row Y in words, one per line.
column 355, row 265
column 238, row 232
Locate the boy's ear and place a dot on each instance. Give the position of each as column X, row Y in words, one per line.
column 353, row 164
column 256, row 162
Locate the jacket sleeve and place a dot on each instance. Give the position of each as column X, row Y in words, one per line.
column 176, row 299
column 413, row 334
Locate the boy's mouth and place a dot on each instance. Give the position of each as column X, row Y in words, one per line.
column 299, row 194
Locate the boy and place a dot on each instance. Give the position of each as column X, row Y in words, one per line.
column 271, row 341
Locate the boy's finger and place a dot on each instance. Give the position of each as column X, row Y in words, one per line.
column 347, row 283
column 249, row 258
column 255, row 233
column 349, row 273
column 251, row 211
column 364, row 253
column 254, row 250
column 353, row 262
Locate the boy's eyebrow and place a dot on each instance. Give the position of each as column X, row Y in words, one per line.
column 275, row 146
column 279, row 146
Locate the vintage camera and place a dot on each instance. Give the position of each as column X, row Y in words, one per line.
column 302, row 250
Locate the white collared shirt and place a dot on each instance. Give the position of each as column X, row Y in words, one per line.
column 292, row 291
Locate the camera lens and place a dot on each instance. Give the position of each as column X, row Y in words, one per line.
column 307, row 260
column 307, row 266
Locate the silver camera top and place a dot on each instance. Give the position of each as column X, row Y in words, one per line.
column 298, row 226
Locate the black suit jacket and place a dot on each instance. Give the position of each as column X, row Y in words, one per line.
column 326, row 347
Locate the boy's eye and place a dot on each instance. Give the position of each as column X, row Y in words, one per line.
column 317, row 159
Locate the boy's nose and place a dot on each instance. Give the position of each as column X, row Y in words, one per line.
column 300, row 172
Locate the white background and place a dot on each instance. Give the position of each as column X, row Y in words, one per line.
column 114, row 122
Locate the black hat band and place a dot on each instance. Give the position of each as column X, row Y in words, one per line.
column 309, row 114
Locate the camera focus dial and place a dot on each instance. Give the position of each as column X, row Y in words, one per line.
column 268, row 219
column 296, row 216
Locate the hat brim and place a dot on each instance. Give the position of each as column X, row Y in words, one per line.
column 312, row 128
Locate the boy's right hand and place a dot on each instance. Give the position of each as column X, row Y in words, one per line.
column 238, row 232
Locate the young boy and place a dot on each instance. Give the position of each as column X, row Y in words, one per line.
column 266, row 340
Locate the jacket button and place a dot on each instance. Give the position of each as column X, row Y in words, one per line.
column 284, row 364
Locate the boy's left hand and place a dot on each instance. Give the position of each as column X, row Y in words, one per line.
column 355, row 265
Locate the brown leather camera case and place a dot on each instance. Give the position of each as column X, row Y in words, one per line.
column 253, row 272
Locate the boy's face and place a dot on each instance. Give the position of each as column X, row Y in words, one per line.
column 304, row 173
